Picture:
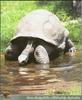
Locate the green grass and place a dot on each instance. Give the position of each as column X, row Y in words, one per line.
column 12, row 11
column 74, row 29
column 72, row 90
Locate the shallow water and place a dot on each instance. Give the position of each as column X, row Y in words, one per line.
column 36, row 78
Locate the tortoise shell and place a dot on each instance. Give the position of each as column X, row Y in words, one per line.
column 43, row 25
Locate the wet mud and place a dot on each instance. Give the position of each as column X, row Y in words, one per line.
column 60, row 74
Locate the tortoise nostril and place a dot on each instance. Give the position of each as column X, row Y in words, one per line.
column 23, row 63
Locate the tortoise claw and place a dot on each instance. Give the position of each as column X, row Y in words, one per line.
column 72, row 50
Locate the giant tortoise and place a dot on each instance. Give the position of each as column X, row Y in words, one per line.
column 40, row 35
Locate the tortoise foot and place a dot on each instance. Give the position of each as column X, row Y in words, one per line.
column 11, row 52
column 9, row 55
column 72, row 50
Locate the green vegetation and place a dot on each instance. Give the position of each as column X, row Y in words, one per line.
column 12, row 11
column 72, row 90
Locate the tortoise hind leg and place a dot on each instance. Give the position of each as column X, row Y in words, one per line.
column 11, row 52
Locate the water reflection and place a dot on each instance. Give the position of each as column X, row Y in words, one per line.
column 33, row 77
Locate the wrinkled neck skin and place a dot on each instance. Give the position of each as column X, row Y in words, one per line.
column 24, row 56
column 28, row 49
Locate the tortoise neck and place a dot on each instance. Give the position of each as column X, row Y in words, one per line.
column 29, row 48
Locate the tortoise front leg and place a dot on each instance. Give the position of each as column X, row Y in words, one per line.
column 62, row 45
column 24, row 56
column 41, row 55
column 71, row 45
column 65, row 37
column 11, row 52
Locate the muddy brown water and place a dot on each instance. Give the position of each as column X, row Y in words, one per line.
column 38, row 78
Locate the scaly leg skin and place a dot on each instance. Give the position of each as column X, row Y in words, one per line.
column 24, row 56
column 41, row 55
column 11, row 52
